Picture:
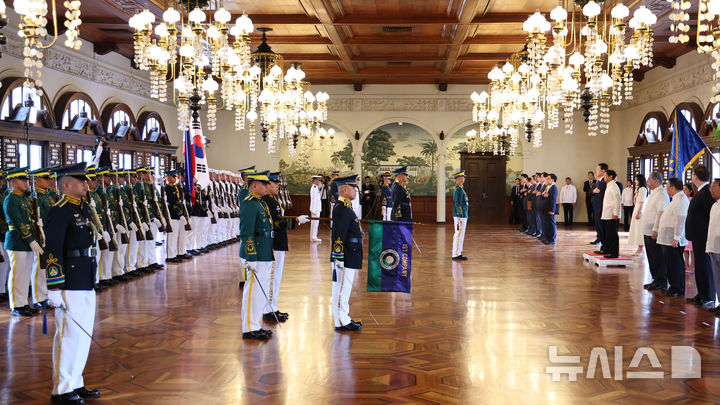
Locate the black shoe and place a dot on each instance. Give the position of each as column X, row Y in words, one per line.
column 707, row 304
column 657, row 286
column 32, row 310
column 3, row 296
column 40, row 305
column 673, row 293
column 267, row 332
column 69, row 398
column 714, row 309
column 600, row 252
column 595, row 242
column 648, row 285
column 241, row 284
column 350, row 327
column 22, row 311
column 186, row 256
column 98, row 287
column 463, row 257
column 256, row 334
column 271, row 317
column 611, row 256
column 694, row 300
column 457, row 258
column 86, row 393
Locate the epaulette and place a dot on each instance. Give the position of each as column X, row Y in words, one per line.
column 61, row 202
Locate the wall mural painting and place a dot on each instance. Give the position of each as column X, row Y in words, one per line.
column 317, row 158
column 457, row 144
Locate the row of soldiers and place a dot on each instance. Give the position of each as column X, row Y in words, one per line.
column 131, row 215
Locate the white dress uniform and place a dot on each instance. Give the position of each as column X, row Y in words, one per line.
column 315, row 209
column 635, row 237
column 356, row 207
column 653, row 209
column 672, row 221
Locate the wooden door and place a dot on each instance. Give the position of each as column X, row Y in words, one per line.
column 485, row 187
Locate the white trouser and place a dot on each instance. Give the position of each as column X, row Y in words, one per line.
column 98, row 262
column 38, row 281
column 106, row 263
column 459, row 236
column 226, row 229
column 314, row 225
column 203, row 224
column 190, row 235
column 341, row 290
column 254, row 300
column 242, row 271
column 275, row 279
column 119, row 266
column 386, row 212
column 71, row 344
column 4, row 269
column 171, row 239
column 19, row 277
column 149, row 253
column 133, row 253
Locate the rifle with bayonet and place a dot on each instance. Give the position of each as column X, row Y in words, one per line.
column 211, row 202
column 186, row 214
column 153, row 198
column 123, row 236
column 165, row 211
column 109, row 227
column 139, row 234
column 38, row 232
column 145, row 211
column 95, row 220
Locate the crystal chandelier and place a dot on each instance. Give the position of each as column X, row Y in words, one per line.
column 33, row 29
column 589, row 69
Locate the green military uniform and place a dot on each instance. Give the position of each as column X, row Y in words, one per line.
column 45, row 201
column 18, row 240
column 460, row 217
column 256, row 250
column 460, row 202
column 242, row 195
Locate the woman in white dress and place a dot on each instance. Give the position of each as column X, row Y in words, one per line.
column 635, row 236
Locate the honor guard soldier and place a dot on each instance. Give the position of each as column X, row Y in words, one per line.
column 118, row 198
column 387, row 201
column 43, row 199
column 69, row 258
column 242, row 195
column 402, row 208
column 333, row 189
column 460, row 215
column 315, row 207
column 346, row 254
column 4, row 260
column 257, row 251
column 20, row 242
column 175, row 240
column 150, row 199
column 199, row 220
column 280, row 246
column 111, row 216
column 96, row 200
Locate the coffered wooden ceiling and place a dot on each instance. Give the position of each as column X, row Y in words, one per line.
column 376, row 41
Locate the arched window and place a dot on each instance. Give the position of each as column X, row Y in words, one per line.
column 151, row 128
column 119, row 120
column 76, row 108
column 119, row 117
column 151, row 125
column 73, row 106
column 14, row 95
column 652, row 130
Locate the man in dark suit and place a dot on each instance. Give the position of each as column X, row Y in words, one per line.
column 597, row 204
column 521, row 204
column 368, row 199
column 549, row 208
column 514, row 202
column 588, row 187
column 696, row 230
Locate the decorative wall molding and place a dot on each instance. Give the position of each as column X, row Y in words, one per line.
column 676, row 82
column 73, row 63
column 427, row 104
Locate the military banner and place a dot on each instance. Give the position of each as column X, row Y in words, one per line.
column 390, row 256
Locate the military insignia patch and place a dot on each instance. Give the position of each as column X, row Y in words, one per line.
column 338, row 246
column 389, row 259
column 53, row 271
column 249, row 246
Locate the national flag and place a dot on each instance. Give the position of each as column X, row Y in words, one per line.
column 189, row 154
column 686, row 147
column 200, row 157
column 389, row 256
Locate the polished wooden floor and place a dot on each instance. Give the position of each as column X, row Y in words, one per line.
column 475, row 332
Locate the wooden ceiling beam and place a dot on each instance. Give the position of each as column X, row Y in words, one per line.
column 485, row 56
column 290, row 57
column 292, row 39
column 325, row 13
column 395, row 39
column 495, row 40
column 467, row 12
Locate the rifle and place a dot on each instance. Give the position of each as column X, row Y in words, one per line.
column 139, row 235
column 213, row 219
column 222, row 203
column 226, row 199
column 145, row 211
column 95, row 220
column 124, row 239
column 38, row 232
column 108, row 219
column 161, row 228
column 186, row 214
column 165, row 211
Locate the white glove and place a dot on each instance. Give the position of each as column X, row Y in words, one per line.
column 40, row 222
column 303, row 219
column 92, row 203
column 157, row 222
column 133, row 227
column 55, row 299
column 35, row 247
column 183, row 220
column 120, row 228
column 106, row 236
column 145, row 202
column 145, row 227
column 339, row 264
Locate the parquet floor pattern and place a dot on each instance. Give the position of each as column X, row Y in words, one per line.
column 474, row 332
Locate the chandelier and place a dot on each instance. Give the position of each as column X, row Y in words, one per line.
column 588, row 67
column 286, row 105
column 32, row 29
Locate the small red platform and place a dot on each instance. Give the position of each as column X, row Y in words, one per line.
column 601, row 261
